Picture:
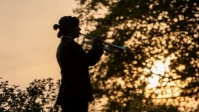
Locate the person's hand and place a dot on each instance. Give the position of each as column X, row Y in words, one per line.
column 98, row 41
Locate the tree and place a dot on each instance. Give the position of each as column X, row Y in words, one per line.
column 39, row 96
column 154, row 31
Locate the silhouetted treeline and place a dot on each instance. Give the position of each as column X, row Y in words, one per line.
column 41, row 94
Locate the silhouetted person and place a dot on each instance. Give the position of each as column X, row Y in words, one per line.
column 75, row 91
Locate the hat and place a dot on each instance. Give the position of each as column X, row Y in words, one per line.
column 69, row 21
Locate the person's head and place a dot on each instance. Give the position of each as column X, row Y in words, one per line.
column 68, row 26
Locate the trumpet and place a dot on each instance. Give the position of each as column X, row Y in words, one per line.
column 110, row 47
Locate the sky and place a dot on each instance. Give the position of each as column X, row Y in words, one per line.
column 27, row 40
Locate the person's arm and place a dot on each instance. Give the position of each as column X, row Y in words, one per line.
column 94, row 54
column 73, row 55
column 96, row 51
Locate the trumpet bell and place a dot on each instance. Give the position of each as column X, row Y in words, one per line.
column 123, row 48
column 113, row 48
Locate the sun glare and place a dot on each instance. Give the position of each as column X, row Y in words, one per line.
column 158, row 68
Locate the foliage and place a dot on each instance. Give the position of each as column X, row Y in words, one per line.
column 157, row 33
column 138, row 106
column 39, row 96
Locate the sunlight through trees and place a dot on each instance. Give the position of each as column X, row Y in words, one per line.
column 159, row 71
column 161, row 61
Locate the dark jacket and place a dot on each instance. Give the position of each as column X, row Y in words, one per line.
column 74, row 63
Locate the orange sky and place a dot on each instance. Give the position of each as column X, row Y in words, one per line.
column 27, row 40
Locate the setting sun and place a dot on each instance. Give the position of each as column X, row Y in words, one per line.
column 158, row 68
